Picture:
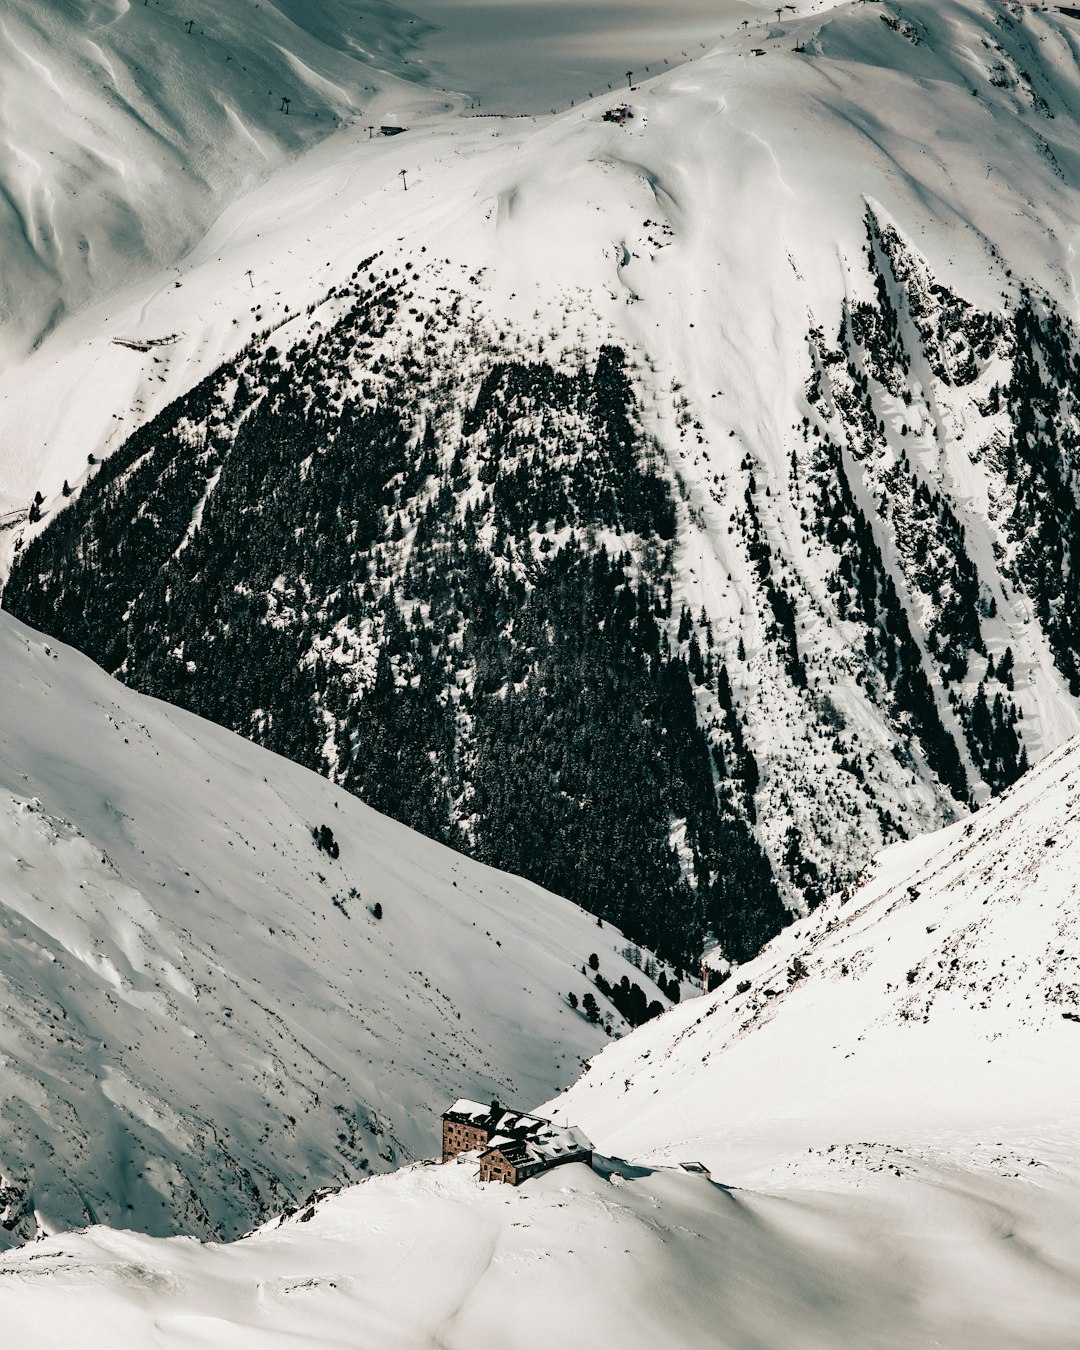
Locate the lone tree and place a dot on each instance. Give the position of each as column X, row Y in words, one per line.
column 591, row 1007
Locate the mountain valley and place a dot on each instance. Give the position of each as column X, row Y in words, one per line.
column 468, row 568
column 228, row 984
column 885, row 1102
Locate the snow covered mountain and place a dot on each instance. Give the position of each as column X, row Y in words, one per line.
column 155, row 121
column 888, row 1108
column 775, row 384
column 226, row 982
column 673, row 503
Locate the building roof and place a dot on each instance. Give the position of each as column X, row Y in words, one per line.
column 494, row 1118
column 556, row 1144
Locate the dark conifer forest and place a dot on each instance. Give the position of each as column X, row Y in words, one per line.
column 424, row 558
column 471, row 630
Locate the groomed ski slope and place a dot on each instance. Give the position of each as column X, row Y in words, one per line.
column 894, row 1161
column 204, row 1017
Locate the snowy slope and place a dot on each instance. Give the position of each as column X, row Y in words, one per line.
column 894, row 1159
column 203, row 1017
column 938, row 1005
column 757, row 172
column 151, row 129
column 429, row 1257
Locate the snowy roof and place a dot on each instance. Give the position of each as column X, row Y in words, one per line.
column 495, row 1118
column 556, row 1144
column 464, row 1107
column 530, row 1142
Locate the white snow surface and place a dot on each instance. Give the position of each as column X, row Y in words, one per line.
column 940, row 1000
column 894, row 1161
column 125, row 134
column 203, row 1018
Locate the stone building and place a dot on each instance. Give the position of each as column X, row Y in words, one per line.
column 470, row 1125
column 512, row 1146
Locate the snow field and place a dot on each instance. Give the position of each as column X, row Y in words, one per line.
column 205, row 1018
